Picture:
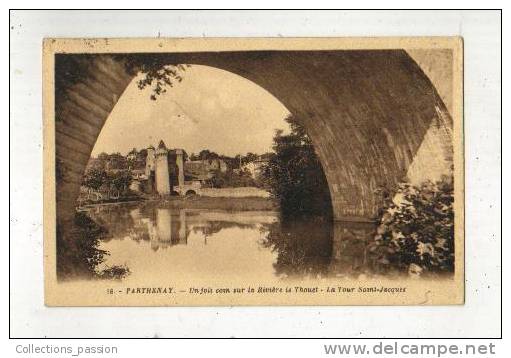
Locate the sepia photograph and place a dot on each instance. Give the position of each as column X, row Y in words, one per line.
column 182, row 172
column 237, row 182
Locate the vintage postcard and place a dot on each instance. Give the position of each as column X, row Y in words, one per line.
column 253, row 171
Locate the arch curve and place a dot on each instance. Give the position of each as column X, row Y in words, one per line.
column 368, row 113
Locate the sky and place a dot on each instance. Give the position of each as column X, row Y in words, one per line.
column 210, row 109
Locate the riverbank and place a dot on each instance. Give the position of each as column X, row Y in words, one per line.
column 222, row 203
column 230, row 199
column 92, row 204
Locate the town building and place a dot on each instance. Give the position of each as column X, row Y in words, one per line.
column 165, row 172
column 204, row 170
column 160, row 171
column 255, row 167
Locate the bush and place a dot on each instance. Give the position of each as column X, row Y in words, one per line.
column 231, row 179
column 78, row 254
column 415, row 230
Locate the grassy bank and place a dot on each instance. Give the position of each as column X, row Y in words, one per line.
column 233, row 204
column 127, row 199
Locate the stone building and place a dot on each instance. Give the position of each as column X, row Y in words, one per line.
column 255, row 167
column 165, row 172
column 164, row 169
column 205, row 169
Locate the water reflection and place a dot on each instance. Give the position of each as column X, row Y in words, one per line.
column 303, row 248
column 164, row 228
column 209, row 242
column 350, row 249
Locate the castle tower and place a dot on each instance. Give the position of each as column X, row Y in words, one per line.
column 182, row 227
column 164, row 225
column 180, row 166
column 149, row 162
column 162, row 170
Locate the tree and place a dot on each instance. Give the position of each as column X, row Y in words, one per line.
column 206, row 154
column 71, row 69
column 232, row 180
column 120, row 180
column 103, row 156
column 159, row 76
column 249, row 157
column 94, row 179
column 295, row 176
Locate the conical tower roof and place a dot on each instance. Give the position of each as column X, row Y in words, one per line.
column 162, row 145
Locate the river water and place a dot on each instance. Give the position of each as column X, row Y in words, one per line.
column 152, row 241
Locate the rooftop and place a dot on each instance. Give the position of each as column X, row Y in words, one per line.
column 162, row 145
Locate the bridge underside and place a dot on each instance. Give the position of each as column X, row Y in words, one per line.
column 374, row 117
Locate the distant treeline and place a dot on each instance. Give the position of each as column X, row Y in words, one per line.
column 205, row 154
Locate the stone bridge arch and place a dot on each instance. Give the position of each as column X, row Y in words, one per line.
column 373, row 115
